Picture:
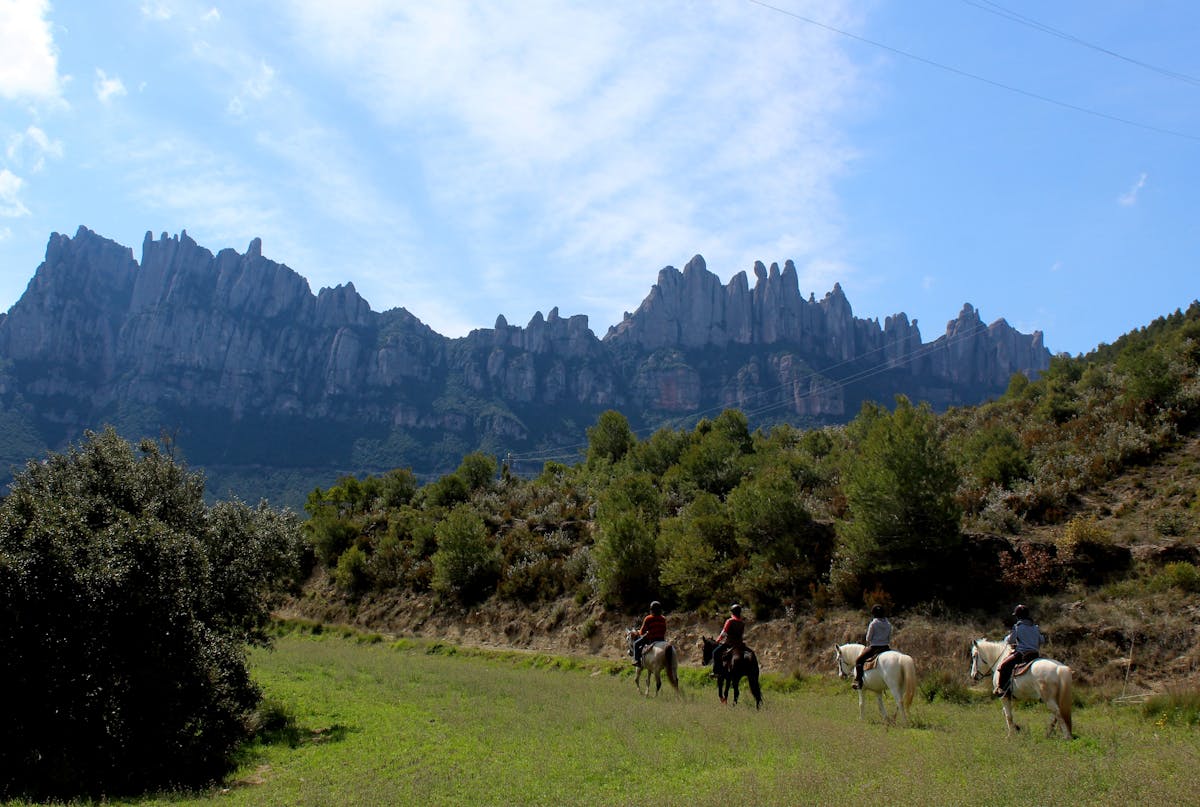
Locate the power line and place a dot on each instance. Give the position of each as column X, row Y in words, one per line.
column 1001, row 11
column 975, row 76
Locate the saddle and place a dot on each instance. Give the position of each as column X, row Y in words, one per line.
column 1022, row 668
column 870, row 663
column 733, row 655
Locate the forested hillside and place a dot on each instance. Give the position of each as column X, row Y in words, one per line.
column 960, row 515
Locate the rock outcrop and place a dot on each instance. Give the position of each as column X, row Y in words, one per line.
column 234, row 357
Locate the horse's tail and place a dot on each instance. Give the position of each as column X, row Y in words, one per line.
column 752, row 678
column 908, row 680
column 1064, row 696
column 672, row 666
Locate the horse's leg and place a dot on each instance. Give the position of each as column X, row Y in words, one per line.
column 897, row 690
column 1007, row 707
column 882, row 708
column 657, row 682
column 1051, row 700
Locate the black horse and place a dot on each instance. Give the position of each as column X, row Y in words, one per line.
column 730, row 675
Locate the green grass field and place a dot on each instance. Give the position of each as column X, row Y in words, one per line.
column 412, row 724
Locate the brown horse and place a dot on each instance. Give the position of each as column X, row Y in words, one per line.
column 730, row 675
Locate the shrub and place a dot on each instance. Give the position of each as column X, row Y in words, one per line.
column 465, row 565
column 1079, row 530
column 1183, row 576
column 352, row 573
column 944, row 685
column 127, row 606
column 1178, row 706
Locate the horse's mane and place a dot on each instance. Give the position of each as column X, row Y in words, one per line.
column 993, row 649
column 851, row 650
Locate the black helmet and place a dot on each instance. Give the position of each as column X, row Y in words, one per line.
column 655, row 607
column 1021, row 612
column 735, row 609
column 877, row 610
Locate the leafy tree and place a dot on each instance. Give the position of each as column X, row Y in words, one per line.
column 477, row 471
column 610, row 439
column 715, row 460
column 448, row 491
column 398, row 487
column 995, row 456
column 465, row 565
column 127, row 605
column 697, row 552
column 627, row 524
column 899, row 486
column 777, row 533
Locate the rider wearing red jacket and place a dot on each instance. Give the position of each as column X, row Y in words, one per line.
column 654, row 629
column 731, row 638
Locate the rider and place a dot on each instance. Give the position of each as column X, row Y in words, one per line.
column 1026, row 639
column 731, row 638
column 654, row 629
column 879, row 634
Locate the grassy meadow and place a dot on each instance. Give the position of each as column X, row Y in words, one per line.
column 407, row 723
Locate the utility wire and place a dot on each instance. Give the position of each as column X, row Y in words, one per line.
column 1001, row 11
column 976, row 77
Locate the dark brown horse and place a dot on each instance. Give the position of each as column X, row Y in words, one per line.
column 729, row 675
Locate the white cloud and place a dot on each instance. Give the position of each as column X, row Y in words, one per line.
column 11, row 205
column 212, row 15
column 619, row 137
column 29, row 67
column 108, row 88
column 29, row 149
column 157, row 10
column 1130, row 197
column 253, row 89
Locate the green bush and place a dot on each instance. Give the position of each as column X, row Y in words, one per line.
column 465, row 565
column 944, row 685
column 127, row 605
column 352, row 573
column 1180, row 707
column 1182, row 575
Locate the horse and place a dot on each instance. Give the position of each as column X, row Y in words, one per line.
column 729, row 676
column 893, row 671
column 1045, row 679
column 657, row 658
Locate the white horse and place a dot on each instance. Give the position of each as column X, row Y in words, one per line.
column 893, row 671
column 657, row 658
column 1044, row 680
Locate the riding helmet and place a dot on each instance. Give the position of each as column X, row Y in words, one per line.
column 735, row 609
column 1021, row 612
column 655, row 607
column 877, row 610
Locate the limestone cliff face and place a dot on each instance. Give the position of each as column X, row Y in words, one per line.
column 237, row 354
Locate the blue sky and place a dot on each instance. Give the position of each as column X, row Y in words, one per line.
column 465, row 160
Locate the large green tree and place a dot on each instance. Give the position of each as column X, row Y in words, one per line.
column 126, row 605
column 899, row 483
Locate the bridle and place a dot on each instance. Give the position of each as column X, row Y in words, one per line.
column 976, row 656
column 841, row 662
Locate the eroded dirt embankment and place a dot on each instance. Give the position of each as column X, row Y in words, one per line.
column 1096, row 645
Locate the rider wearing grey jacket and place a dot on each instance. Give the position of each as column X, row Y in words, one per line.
column 879, row 637
column 1026, row 639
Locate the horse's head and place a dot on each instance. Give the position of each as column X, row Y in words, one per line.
column 982, row 663
column 840, row 658
column 631, row 635
column 707, row 646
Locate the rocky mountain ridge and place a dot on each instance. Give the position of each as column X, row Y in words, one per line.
column 234, row 357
